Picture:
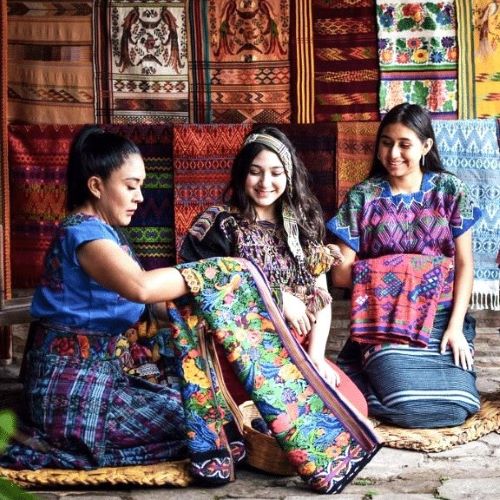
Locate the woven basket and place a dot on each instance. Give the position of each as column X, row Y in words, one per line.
column 161, row 474
column 263, row 451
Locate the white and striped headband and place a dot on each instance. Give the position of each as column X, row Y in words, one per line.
column 289, row 220
column 277, row 147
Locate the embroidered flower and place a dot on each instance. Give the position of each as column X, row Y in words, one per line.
column 289, row 372
column 280, row 424
column 297, row 457
column 420, row 56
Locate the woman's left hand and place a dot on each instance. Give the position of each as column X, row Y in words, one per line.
column 462, row 354
column 326, row 371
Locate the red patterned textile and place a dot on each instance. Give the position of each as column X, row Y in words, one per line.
column 151, row 230
column 203, row 155
column 5, row 284
column 395, row 297
column 355, row 149
column 240, row 68
column 343, row 65
column 38, row 158
column 141, row 62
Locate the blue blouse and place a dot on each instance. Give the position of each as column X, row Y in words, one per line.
column 68, row 296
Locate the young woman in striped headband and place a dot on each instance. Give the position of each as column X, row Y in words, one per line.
column 271, row 217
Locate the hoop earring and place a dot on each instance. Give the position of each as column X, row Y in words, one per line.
column 422, row 161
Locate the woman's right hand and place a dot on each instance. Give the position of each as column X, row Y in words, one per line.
column 297, row 315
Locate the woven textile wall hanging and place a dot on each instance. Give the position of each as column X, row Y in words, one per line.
column 479, row 58
column 240, row 68
column 141, row 68
column 418, row 55
column 334, row 61
column 50, row 62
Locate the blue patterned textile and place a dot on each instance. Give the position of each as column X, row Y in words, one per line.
column 470, row 150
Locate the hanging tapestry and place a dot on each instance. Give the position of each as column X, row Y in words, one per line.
column 469, row 149
column 315, row 145
column 334, row 61
column 355, row 149
column 50, row 62
column 240, row 69
column 141, row 61
column 478, row 24
column 5, row 279
column 203, row 156
column 417, row 50
column 151, row 231
column 38, row 158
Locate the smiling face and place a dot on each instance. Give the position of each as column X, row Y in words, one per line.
column 117, row 196
column 400, row 150
column 265, row 183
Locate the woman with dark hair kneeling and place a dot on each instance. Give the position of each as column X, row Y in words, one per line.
column 405, row 234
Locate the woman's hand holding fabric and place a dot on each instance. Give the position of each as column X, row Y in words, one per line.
column 297, row 315
column 454, row 337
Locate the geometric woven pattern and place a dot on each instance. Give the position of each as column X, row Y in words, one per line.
column 37, row 161
column 240, row 69
column 355, row 149
column 346, row 69
column 50, row 62
column 151, row 231
column 203, row 156
column 469, row 149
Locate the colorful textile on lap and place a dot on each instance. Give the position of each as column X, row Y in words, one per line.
column 240, row 69
column 421, row 388
column 478, row 31
column 334, row 61
column 141, row 62
column 354, row 150
column 395, row 297
column 418, row 55
column 469, row 149
column 38, row 156
column 322, row 436
column 135, row 422
column 202, row 161
column 50, row 62
column 151, row 231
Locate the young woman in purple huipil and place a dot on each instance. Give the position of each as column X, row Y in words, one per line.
column 405, row 234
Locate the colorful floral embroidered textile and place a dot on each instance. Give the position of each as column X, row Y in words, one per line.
column 322, row 435
column 418, row 55
column 395, row 297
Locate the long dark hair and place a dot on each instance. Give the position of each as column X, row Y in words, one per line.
column 94, row 152
column 302, row 201
column 417, row 119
